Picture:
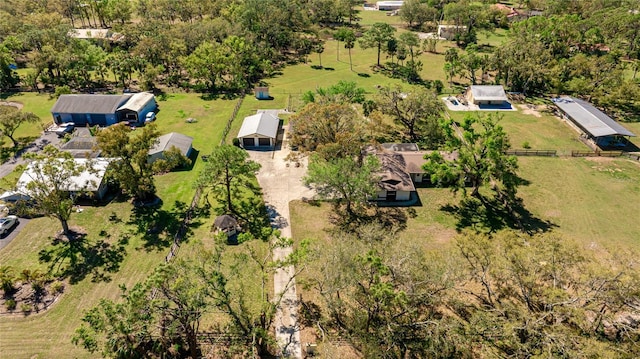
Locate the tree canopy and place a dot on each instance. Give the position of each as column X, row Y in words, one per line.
column 479, row 145
column 51, row 178
column 377, row 36
column 11, row 118
column 416, row 112
column 227, row 173
column 330, row 129
column 132, row 170
column 344, row 181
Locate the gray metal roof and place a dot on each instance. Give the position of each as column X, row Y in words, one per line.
column 173, row 139
column 592, row 120
column 264, row 124
column 93, row 104
column 488, row 93
column 137, row 102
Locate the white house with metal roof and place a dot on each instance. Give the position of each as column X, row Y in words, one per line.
column 90, row 180
column 259, row 131
column 389, row 5
column 595, row 124
column 487, row 95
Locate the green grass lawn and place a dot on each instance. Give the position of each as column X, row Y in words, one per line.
column 635, row 128
column 39, row 104
column 541, row 133
column 368, row 18
column 48, row 335
column 591, row 201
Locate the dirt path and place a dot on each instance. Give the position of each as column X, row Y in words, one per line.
column 532, row 109
column 281, row 184
column 18, row 105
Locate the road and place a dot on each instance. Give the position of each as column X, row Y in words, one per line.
column 8, row 167
column 282, row 183
column 4, row 241
column 45, row 139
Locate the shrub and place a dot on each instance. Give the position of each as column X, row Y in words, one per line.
column 172, row 159
column 57, row 287
column 236, row 141
column 61, row 90
column 26, row 308
column 11, row 304
column 7, row 278
column 438, row 86
column 24, row 209
column 526, row 145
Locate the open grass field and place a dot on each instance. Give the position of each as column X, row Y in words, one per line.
column 541, row 133
column 590, row 201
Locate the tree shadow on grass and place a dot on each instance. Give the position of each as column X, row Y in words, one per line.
column 77, row 256
column 391, row 218
column 158, row 226
column 490, row 216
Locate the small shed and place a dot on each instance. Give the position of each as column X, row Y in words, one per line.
column 82, row 147
column 182, row 142
column 262, row 93
column 449, row 32
column 259, row 131
column 226, row 224
column 487, row 95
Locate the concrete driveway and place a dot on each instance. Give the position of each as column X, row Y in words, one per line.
column 281, row 183
column 4, row 241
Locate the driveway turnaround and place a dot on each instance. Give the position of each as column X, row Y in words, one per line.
column 281, row 183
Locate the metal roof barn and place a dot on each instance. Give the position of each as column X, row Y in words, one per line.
column 590, row 119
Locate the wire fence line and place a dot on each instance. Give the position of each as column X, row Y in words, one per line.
column 231, row 119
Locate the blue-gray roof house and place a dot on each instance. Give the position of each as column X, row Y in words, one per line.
column 103, row 110
column 595, row 124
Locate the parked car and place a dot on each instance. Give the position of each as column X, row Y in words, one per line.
column 65, row 128
column 7, row 224
column 150, row 117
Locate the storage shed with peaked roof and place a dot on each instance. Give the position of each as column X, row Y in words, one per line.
column 259, row 131
column 226, row 224
column 137, row 107
column 182, row 142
